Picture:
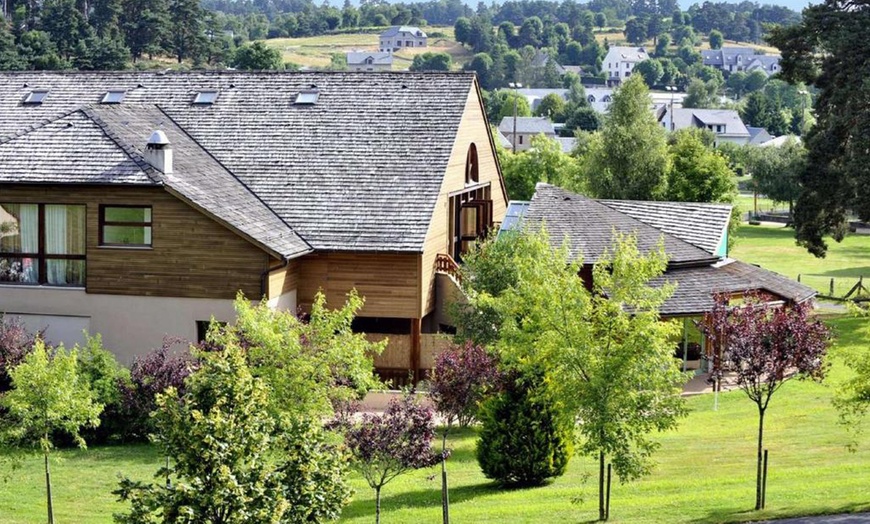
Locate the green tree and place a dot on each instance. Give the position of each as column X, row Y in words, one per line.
column 256, row 56
column 552, row 106
column 508, row 103
column 698, row 173
column 852, row 398
column 651, row 70
column 40, row 53
column 102, row 54
column 736, row 83
column 543, row 162
column 635, row 31
column 716, row 39
column 431, row 62
column 185, row 34
column 482, row 64
column 606, row 354
column 230, row 464
column 582, row 118
column 48, row 397
column 631, row 160
column 65, row 25
column 600, row 20
column 755, row 81
column 9, row 59
column 702, row 95
column 776, row 171
column 662, row 44
column 144, row 23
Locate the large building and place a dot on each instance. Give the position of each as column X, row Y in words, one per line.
column 397, row 38
column 733, row 59
column 725, row 124
column 139, row 204
column 369, row 61
column 620, row 61
column 520, row 131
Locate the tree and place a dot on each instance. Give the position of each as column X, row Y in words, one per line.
column 716, row 39
column 698, row 173
column 630, row 161
column 510, row 103
column 543, row 162
column 651, row 70
column 65, row 25
column 256, row 56
column 482, row 64
column 755, row 81
column 463, row 376
column 462, row 30
column 600, row 20
column 524, row 440
column 9, row 59
column 15, row 343
column 48, row 397
column 102, row 54
column 431, row 62
column 230, row 464
column 583, row 118
column 552, row 106
column 765, row 346
column 852, row 398
column 662, row 45
column 776, row 171
column 736, row 83
column 144, row 24
column 606, row 354
column 702, row 95
column 385, row 446
column 185, row 34
column 635, row 31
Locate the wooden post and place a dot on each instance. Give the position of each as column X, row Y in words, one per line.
column 685, row 342
column 832, row 287
column 764, row 482
column 415, row 348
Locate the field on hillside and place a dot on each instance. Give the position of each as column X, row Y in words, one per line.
column 317, row 51
column 705, row 471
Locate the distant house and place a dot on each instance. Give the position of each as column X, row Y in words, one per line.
column 567, row 143
column 733, row 59
column 620, row 61
column 599, row 98
column 371, row 61
column 520, row 131
column 542, row 58
column 758, row 135
column 724, row 123
column 400, row 37
column 781, row 141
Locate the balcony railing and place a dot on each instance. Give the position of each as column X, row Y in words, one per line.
column 445, row 264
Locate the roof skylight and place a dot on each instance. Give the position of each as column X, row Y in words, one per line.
column 37, row 96
column 307, row 96
column 206, row 97
column 114, row 96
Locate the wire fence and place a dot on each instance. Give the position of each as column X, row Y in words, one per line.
column 845, row 288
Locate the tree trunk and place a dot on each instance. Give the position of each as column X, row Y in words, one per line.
column 48, row 491
column 758, row 469
column 445, row 496
column 602, row 515
column 378, row 505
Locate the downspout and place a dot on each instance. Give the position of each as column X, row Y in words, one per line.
column 264, row 278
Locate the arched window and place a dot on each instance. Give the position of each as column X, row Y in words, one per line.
column 472, row 169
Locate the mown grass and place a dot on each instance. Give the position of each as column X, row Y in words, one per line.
column 774, row 248
column 705, row 471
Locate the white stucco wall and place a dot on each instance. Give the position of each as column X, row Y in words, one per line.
column 130, row 325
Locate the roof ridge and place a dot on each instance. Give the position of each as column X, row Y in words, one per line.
column 149, row 170
column 657, row 202
column 236, row 178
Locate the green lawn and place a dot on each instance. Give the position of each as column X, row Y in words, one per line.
column 705, row 471
column 774, row 248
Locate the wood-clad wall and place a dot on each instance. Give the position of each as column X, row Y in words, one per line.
column 388, row 282
column 472, row 130
column 284, row 279
column 192, row 255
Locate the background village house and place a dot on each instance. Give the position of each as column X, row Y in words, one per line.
column 397, row 38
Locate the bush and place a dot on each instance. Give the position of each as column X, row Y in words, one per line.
column 524, row 441
column 151, row 374
column 107, row 380
column 15, row 344
column 462, row 378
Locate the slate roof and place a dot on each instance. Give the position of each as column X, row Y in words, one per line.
column 378, row 58
column 781, row 141
column 696, row 287
column 394, row 30
column 567, row 143
column 589, row 227
column 359, row 170
column 758, row 135
column 690, row 117
column 527, row 125
column 702, row 225
column 626, row 54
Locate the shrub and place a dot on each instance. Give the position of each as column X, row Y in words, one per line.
column 15, row 344
column 107, row 380
column 462, row 377
column 151, row 374
column 523, row 441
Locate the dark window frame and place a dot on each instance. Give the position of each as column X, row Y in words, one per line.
column 42, row 257
column 103, row 223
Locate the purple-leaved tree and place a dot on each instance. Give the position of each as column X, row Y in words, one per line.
column 462, row 378
column 385, row 446
column 15, row 343
column 766, row 345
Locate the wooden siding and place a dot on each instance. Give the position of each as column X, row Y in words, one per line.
column 388, row 282
column 192, row 255
column 284, row 279
column 473, row 129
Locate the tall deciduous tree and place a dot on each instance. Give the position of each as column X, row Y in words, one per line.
column 543, row 162
column 698, row 173
column 827, row 50
column 256, row 56
column 776, row 171
column 765, row 346
column 431, row 62
column 630, row 161
column 48, row 397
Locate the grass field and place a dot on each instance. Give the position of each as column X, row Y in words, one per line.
column 317, row 51
column 705, row 471
column 774, row 248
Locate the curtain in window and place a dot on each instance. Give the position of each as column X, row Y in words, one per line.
column 29, row 226
column 56, row 243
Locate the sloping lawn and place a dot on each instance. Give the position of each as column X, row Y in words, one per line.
column 774, row 248
column 705, row 471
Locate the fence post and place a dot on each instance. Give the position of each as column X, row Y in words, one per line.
column 832, row 287
column 799, row 277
